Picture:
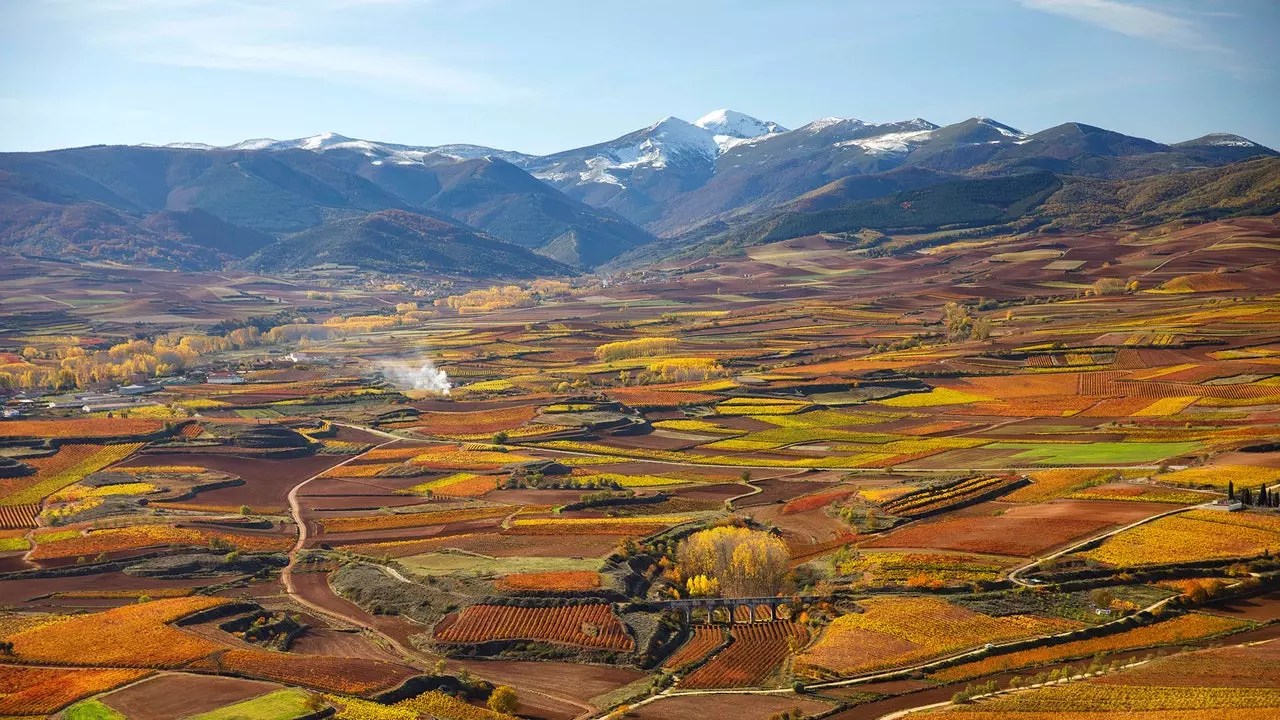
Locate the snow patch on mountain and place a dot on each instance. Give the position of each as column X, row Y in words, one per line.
column 894, row 143
column 399, row 154
column 1228, row 140
column 1002, row 128
column 823, row 123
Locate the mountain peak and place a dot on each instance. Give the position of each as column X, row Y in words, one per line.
column 826, row 122
column 1223, row 140
column 735, row 124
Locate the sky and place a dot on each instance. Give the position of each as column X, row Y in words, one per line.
column 545, row 75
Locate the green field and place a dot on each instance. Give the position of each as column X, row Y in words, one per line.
column 1099, row 453
column 279, row 705
column 91, row 710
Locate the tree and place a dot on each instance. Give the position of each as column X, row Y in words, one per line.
column 958, row 319
column 1109, row 286
column 440, row 667
column 702, row 586
column 981, row 329
column 503, row 700
column 1101, row 598
column 500, row 438
column 744, row 562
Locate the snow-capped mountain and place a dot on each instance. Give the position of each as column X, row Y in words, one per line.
column 730, row 127
column 675, row 174
column 378, row 151
column 1227, row 140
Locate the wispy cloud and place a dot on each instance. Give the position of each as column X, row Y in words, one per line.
column 1126, row 18
column 291, row 38
column 1161, row 26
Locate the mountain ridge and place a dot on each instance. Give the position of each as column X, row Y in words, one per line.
column 195, row 205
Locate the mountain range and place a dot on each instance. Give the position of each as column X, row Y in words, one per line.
column 725, row 179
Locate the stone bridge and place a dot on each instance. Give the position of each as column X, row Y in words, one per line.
column 686, row 607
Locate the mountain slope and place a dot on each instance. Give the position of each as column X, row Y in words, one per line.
column 504, row 201
column 1041, row 201
column 398, row 240
column 95, row 201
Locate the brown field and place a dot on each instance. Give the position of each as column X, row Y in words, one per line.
column 267, row 482
column 179, row 694
column 727, row 707
column 1017, row 536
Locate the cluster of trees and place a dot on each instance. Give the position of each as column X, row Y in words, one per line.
column 67, row 364
column 682, row 369
column 640, row 347
column 1112, row 286
column 962, row 325
column 1263, row 498
column 736, row 561
column 506, row 296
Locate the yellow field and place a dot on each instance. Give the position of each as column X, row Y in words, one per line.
column 938, row 396
column 900, row 631
column 1167, row 406
column 1242, row 476
column 1193, row 535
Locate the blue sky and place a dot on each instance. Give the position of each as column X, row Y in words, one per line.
column 545, row 75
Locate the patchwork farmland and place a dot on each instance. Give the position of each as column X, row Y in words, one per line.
column 847, row 492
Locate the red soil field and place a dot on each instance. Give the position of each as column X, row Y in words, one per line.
column 564, row 625
column 346, row 675
column 314, row 588
column 755, row 652
column 726, row 707
column 1003, row 535
column 705, row 638
column 1260, row 608
column 815, row 501
column 778, row 490
column 337, row 643
column 180, row 694
column 267, row 482
column 558, row 686
column 480, row 421
column 18, row 592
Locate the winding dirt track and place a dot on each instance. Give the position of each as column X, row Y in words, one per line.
column 286, row 575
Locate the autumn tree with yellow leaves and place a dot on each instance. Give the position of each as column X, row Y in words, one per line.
column 740, row 561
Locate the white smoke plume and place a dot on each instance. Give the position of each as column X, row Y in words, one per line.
column 421, row 374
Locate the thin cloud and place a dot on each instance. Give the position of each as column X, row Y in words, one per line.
column 1128, row 19
column 290, row 39
column 1146, row 23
